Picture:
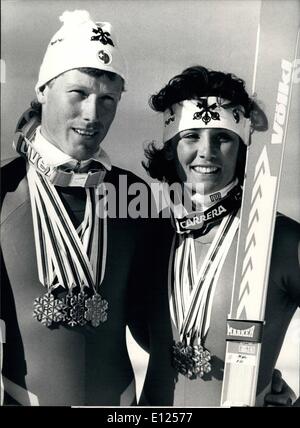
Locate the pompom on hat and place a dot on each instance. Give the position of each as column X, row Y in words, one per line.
column 80, row 42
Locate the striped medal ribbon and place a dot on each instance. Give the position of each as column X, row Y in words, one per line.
column 191, row 295
column 56, row 175
column 71, row 263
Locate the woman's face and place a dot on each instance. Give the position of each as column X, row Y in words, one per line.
column 206, row 156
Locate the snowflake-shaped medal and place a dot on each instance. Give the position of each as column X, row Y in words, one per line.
column 191, row 361
column 96, row 310
column 48, row 310
column 75, row 303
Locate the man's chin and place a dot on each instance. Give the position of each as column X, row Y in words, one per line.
column 84, row 153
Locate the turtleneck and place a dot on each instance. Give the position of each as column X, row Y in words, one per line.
column 201, row 201
column 204, row 201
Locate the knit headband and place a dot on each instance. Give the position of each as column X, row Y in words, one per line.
column 206, row 112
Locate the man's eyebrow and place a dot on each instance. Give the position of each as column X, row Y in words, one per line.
column 88, row 88
column 76, row 85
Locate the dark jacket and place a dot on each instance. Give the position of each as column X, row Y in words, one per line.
column 163, row 385
column 67, row 366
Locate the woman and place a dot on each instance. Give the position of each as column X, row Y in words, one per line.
column 208, row 120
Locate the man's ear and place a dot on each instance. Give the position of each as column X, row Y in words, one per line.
column 41, row 94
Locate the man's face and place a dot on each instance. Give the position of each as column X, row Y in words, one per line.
column 207, row 157
column 77, row 111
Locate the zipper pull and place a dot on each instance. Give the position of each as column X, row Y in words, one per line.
column 77, row 167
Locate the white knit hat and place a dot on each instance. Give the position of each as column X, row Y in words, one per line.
column 80, row 42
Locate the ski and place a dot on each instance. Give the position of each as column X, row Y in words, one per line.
column 276, row 51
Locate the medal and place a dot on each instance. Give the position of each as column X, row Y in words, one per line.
column 191, row 292
column 191, row 361
column 48, row 310
column 76, row 306
column 67, row 257
column 74, row 310
column 96, row 310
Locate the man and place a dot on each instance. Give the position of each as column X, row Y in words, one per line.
column 67, row 269
column 207, row 118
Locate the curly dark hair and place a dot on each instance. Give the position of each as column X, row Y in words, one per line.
column 193, row 83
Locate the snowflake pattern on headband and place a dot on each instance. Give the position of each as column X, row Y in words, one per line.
column 171, row 118
column 236, row 115
column 235, row 111
column 206, row 113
